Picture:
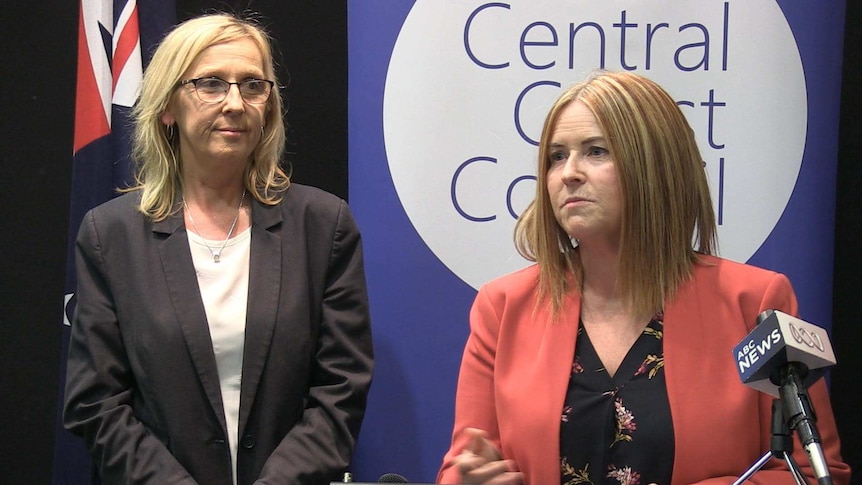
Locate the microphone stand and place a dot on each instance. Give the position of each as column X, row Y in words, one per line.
column 801, row 417
column 780, row 446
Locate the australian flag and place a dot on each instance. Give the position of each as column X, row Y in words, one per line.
column 115, row 41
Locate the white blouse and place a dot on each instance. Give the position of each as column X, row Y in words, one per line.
column 224, row 289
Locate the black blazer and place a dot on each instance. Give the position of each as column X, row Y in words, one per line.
column 142, row 386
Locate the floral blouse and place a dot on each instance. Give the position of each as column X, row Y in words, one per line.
column 618, row 430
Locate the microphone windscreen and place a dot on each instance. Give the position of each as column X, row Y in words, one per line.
column 777, row 340
column 391, row 478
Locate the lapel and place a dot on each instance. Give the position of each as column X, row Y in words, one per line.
column 688, row 381
column 558, row 349
column 556, row 357
column 684, row 329
column 264, row 288
column 188, row 305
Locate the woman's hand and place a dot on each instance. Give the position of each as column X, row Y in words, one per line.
column 482, row 463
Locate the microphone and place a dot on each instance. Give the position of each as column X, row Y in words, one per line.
column 782, row 357
column 778, row 340
column 391, row 478
column 385, row 478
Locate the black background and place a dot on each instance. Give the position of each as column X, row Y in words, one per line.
column 37, row 87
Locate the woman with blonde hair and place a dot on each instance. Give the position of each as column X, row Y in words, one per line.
column 222, row 332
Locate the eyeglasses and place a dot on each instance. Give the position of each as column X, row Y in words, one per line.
column 214, row 90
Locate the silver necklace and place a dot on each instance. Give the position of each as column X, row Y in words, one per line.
column 216, row 254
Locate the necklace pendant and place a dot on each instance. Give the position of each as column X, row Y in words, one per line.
column 216, row 255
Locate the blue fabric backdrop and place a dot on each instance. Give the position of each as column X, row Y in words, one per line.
column 420, row 307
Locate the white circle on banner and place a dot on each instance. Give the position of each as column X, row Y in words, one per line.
column 469, row 84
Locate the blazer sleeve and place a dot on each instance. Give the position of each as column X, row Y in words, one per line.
column 100, row 386
column 475, row 404
column 321, row 444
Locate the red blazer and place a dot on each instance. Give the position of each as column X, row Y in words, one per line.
column 516, row 366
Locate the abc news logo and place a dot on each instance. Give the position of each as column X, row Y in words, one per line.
column 806, row 337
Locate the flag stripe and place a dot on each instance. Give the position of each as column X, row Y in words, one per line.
column 127, row 40
column 91, row 121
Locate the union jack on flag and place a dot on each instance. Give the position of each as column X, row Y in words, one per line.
column 114, row 42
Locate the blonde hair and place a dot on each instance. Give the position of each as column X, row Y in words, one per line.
column 156, row 151
column 667, row 219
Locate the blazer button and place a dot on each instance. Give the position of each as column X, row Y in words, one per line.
column 247, row 441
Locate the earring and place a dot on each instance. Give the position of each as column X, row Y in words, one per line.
column 170, row 132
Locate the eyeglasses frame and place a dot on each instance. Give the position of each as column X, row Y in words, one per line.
column 194, row 83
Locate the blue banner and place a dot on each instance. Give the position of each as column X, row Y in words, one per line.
column 446, row 104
